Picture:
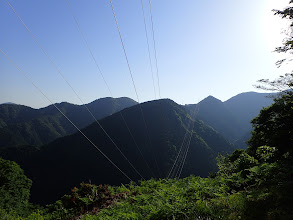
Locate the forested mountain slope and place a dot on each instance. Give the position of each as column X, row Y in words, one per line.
column 246, row 106
column 214, row 112
column 255, row 183
column 21, row 125
column 65, row 162
column 232, row 117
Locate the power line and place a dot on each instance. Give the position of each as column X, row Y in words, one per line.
column 60, row 73
column 188, row 146
column 102, row 75
column 127, row 61
column 124, row 50
column 150, row 60
column 147, row 39
column 30, row 80
column 153, row 31
column 172, row 170
column 179, row 153
column 87, row 44
column 178, row 165
column 178, row 161
column 184, row 154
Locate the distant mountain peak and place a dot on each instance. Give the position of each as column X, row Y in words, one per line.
column 165, row 100
column 8, row 103
column 105, row 99
column 249, row 96
column 210, row 99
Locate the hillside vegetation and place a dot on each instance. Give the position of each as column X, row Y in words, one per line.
column 250, row 184
column 152, row 150
column 22, row 125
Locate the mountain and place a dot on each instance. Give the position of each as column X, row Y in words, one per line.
column 8, row 103
column 232, row 117
column 22, row 125
column 214, row 113
column 62, row 164
column 246, row 106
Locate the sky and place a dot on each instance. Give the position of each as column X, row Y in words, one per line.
column 210, row 47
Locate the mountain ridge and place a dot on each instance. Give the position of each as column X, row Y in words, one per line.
column 232, row 117
column 21, row 125
column 72, row 159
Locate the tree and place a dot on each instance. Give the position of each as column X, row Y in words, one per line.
column 283, row 84
column 14, row 186
column 286, row 13
column 274, row 126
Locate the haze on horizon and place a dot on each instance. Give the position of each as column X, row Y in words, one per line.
column 203, row 48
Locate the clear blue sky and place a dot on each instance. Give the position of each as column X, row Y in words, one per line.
column 210, row 47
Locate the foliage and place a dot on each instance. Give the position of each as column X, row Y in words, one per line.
column 286, row 13
column 273, row 126
column 283, row 84
column 251, row 184
column 13, row 215
column 86, row 199
column 14, row 186
column 189, row 198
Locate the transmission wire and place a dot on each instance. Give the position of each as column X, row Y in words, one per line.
column 58, row 70
column 108, row 87
column 31, row 81
column 36, row 87
column 147, row 39
column 175, row 165
column 88, row 47
column 169, row 175
column 150, row 60
column 177, row 162
column 126, row 57
column 153, row 31
column 183, row 155
column 188, row 145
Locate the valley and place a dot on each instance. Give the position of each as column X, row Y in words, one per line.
column 60, row 164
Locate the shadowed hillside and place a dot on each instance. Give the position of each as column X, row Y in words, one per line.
column 232, row 117
column 21, row 125
column 64, row 163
